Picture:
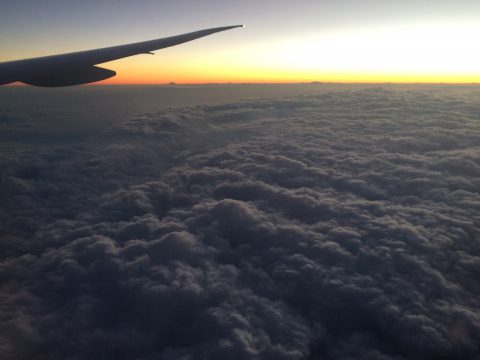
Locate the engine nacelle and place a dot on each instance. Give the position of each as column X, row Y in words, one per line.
column 71, row 77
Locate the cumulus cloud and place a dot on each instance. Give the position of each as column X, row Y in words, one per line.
column 341, row 225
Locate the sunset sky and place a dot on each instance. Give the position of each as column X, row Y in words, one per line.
column 284, row 41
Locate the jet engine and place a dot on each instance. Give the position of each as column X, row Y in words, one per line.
column 78, row 76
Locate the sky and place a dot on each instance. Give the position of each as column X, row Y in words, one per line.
column 284, row 41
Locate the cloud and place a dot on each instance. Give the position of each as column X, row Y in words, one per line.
column 340, row 225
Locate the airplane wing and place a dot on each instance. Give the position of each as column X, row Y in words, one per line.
column 79, row 67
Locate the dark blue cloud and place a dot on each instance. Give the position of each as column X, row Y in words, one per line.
column 342, row 225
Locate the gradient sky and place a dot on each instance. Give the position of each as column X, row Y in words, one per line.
column 284, row 41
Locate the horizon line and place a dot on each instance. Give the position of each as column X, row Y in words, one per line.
column 19, row 84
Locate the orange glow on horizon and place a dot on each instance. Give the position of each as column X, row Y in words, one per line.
column 259, row 76
column 132, row 74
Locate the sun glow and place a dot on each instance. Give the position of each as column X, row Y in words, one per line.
column 413, row 50
column 413, row 53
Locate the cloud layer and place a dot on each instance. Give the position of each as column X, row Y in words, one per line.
column 342, row 226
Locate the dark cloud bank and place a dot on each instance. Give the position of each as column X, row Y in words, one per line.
column 337, row 226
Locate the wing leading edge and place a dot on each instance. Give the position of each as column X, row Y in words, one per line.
column 79, row 67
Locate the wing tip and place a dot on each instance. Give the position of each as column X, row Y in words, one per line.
column 233, row 27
